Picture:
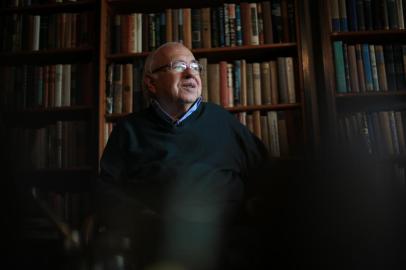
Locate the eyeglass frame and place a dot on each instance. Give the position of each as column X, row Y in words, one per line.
column 170, row 66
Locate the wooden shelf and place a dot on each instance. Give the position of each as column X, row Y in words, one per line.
column 250, row 53
column 372, row 94
column 66, row 179
column 128, row 6
column 371, row 101
column 52, row 56
column 381, row 36
column 52, row 8
column 41, row 116
column 266, row 107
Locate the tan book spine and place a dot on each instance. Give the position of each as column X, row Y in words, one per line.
column 273, row 133
column 187, row 27
column 273, row 70
column 244, row 86
column 282, row 81
column 169, row 25
column 214, row 83
column 290, row 79
column 265, row 83
column 257, row 123
column 204, row 79
column 132, row 39
column 66, row 85
column 128, row 88
column 206, row 28
column 58, row 85
column 256, row 72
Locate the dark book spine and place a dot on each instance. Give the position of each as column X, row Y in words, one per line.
column 214, row 28
column 368, row 15
column 352, row 15
column 390, row 67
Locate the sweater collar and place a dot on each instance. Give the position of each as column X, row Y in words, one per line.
column 169, row 119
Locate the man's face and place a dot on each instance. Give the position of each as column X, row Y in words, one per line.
column 172, row 87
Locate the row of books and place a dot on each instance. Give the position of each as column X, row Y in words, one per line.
column 68, row 207
column 369, row 67
column 28, row 3
column 41, row 32
column 379, row 133
column 59, row 145
column 230, row 24
column 34, row 86
column 362, row 15
column 277, row 129
column 225, row 83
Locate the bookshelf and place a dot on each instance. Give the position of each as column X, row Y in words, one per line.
column 363, row 60
column 48, row 65
column 280, row 43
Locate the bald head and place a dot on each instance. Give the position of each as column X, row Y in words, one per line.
column 161, row 54
column 175, row 90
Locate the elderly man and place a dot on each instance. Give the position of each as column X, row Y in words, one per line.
column 176, row 175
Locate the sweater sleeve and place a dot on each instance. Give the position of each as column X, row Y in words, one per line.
column 115, row 208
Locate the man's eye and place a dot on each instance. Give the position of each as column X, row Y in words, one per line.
column 195, row 66
column 179, row 67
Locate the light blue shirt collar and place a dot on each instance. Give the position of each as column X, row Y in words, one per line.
column 170, row 119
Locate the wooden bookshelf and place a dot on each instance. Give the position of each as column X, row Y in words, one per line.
column 59, row 137
column 382, row 94
column 250, row 53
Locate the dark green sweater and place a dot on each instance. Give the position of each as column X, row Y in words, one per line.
column 196, row 171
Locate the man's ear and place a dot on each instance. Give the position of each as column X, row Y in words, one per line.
column 149, row 82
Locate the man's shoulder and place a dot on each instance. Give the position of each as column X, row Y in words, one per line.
column 214, row 108
column 135, row 117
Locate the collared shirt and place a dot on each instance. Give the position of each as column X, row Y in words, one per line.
column 158, row 108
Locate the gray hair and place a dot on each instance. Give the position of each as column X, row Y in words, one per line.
column 150, row 60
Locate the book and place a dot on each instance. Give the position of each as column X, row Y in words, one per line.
column 273, row 70
column 380, row 64
column 254, row 38
column 196, row 21
column 265, row 83
column 352, row 63
column 256, row 82
column 290, row 79
column 374, row 68
column 366, row 61
column 204, row 78
column 127, row 88
column 341, row 86
column 206, row 28
column 273, row 133
column 214, row 82
column 267, row 21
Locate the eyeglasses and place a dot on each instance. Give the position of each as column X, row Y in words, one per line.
column 181, row 66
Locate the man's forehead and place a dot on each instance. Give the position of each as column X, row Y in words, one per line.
column 172, row 53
